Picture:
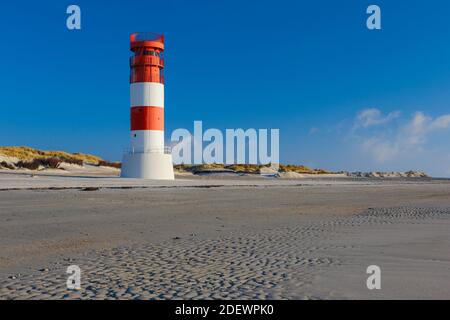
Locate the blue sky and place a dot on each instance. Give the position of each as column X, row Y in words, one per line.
column 343, row 97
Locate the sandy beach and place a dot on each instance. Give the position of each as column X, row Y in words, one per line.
column 223, row 237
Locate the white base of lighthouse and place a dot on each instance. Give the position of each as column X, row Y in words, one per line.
column 156, row 166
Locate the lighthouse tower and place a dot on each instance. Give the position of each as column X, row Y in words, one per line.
column 147, row 158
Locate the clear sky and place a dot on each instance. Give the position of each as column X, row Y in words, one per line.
column 343, row 97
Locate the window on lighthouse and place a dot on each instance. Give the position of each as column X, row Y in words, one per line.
column 151, row 53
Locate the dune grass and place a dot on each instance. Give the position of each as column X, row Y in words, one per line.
column 30, row 154
column 33, row 158
column 247, row 168
column 301, row 169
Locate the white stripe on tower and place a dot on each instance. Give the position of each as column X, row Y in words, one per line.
column 147, row 94
column 147, row 140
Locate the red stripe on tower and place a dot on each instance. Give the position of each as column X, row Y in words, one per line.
column 147, row 118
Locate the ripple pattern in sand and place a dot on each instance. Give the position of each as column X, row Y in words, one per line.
column 272, row 264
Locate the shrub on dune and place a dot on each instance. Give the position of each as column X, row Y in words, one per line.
column 52, row 163
column 35, row 164
column 7, row 165
column 30, row 165
column 103, row 163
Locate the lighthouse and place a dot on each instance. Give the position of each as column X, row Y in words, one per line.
column 147, row 158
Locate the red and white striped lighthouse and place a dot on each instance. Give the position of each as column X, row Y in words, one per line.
column 147, row 158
